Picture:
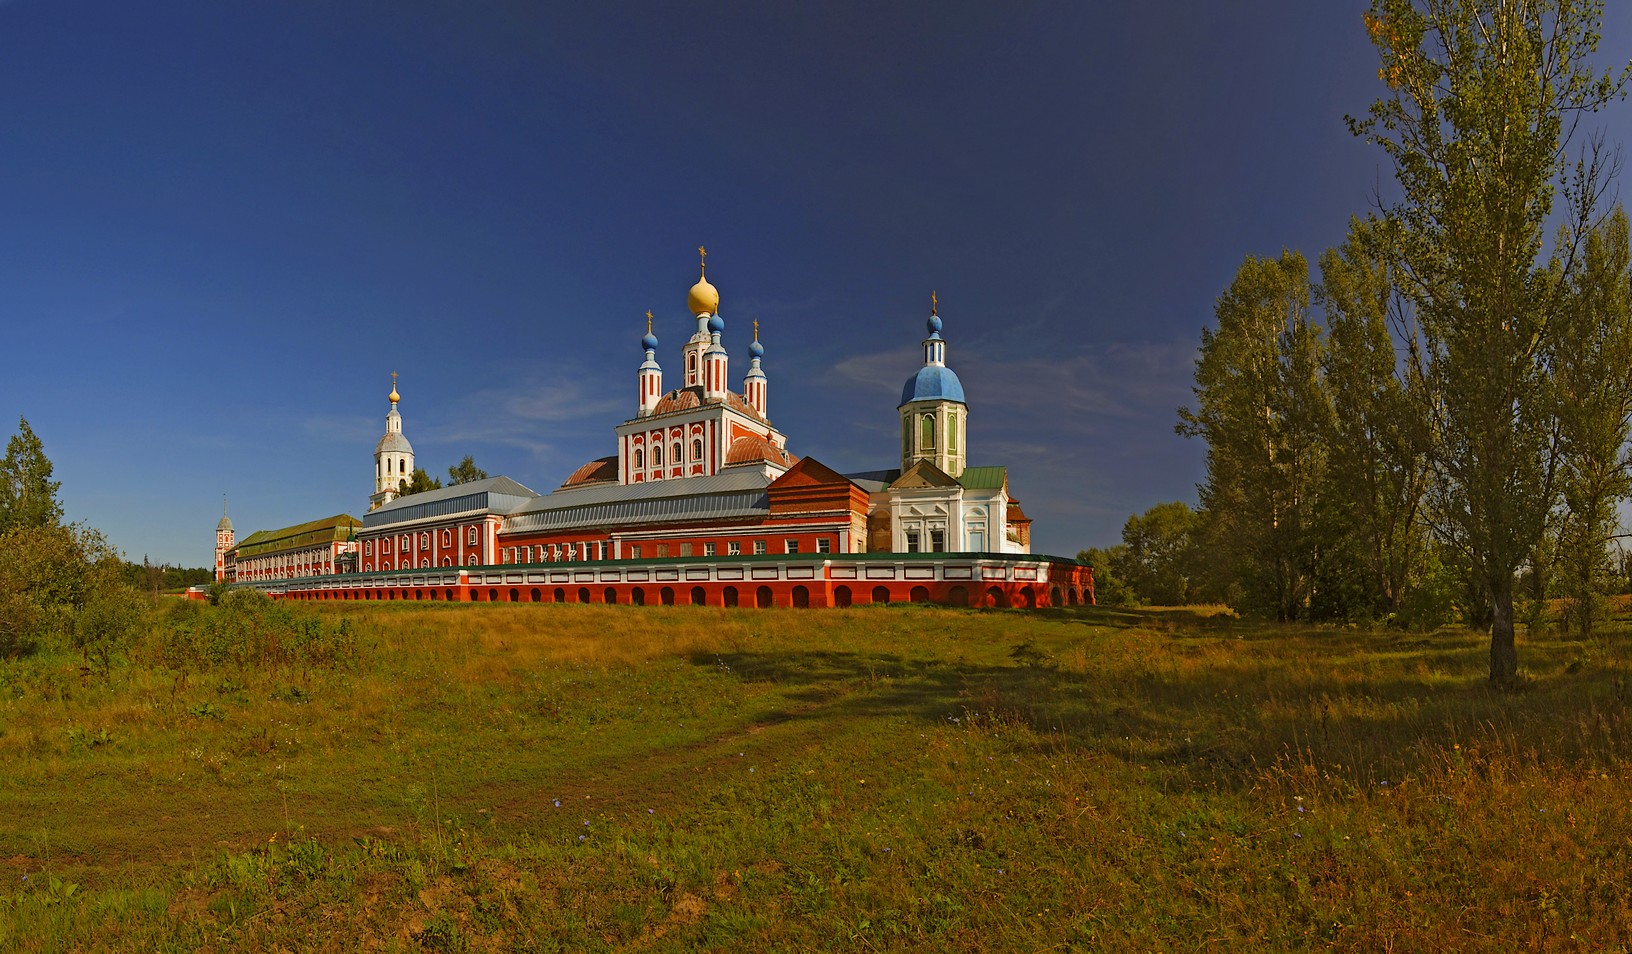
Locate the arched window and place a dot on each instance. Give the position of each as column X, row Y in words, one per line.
column 697, row 449
column 677, row 454
column 470, row 537
column 926, row 431
column 657, row 455
column 640, row 460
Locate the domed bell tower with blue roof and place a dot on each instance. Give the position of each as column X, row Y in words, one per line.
column 934, row 415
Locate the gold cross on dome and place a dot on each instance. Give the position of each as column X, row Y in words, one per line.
column 393, row 380
column 702, row 253
column 648, row 321
column 756, row 329
column 934, row 304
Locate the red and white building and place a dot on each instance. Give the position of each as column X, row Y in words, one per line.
column 704, row 503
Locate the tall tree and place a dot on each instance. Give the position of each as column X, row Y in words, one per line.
column 1483, row 96
column 1159, row 558
column 465, row 472
column 1378, row 470
column 1592, row 381
column 1263, row 413
column 28, row 495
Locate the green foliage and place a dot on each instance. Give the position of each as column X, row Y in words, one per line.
column 247, row 630
column 109, row 622
column 156, row 578
column 1264, row 415
column 1481, row 102
column 47, row 575
column 1592, row 381
column 465, row 472
column 28, row 495
column 1162, row 560
column 1110, row 589
column 1379, row 468
column 417, row 483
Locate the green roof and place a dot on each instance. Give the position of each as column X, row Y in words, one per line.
column 984, row 478
column 327, row 530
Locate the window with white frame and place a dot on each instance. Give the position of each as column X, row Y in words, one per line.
column 824, row 545
column 733, row 548
column 470, row 536
column 790, row 545
column 708, row 549
column 759, row 546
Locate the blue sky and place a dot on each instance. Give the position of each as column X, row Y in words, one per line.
column 222, row 226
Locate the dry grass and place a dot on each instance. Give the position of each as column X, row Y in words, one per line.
column 907, row 778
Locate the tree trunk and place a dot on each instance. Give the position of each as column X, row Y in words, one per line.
column 1504, row 657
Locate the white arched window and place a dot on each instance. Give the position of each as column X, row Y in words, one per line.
column 640, row 460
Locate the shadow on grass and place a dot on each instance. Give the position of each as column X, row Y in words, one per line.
column 1396, row 705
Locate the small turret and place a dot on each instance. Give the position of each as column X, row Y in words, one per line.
column 650, row 376
column 753, row 383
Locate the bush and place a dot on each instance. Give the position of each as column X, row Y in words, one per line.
column 108, row 623
column 249, row 630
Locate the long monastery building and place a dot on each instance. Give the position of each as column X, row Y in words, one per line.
column 702, row 503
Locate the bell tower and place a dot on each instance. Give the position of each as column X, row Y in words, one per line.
column 393, row 455
column 934, row 415
column 225, row 539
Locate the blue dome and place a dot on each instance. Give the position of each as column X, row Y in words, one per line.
column 755, row 349
column 933, row 384
column 649, row 342
column 716, row 324
column 934, row 324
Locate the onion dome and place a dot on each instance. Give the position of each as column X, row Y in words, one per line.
column 716, row 324
column 755, row 349
column 649, row 340
column 933, row 383
column 703, row 299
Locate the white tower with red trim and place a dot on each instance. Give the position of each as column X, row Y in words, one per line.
column 225, row 539
column 753, row 383
column 650, row 377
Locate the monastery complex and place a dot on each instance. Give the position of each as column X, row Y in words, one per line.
column 701, row 503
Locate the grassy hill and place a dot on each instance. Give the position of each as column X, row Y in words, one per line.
column 532, row 777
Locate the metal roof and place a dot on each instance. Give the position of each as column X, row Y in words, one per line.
column 494, row 495
column 307, row 534
column 984, row 478
column 874, row 481
column 718, row 496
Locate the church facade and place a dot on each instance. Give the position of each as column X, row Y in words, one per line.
column 702, row 502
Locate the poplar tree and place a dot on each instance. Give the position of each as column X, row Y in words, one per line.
column 1263, row 413
column 1592, row 381
column 1378, row 470
column 28, row 495
column 1483, row 97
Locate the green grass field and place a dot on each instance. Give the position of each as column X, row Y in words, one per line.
column 580, row 778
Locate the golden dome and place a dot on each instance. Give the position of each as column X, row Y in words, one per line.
column 394, row 397
column 703, row 299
